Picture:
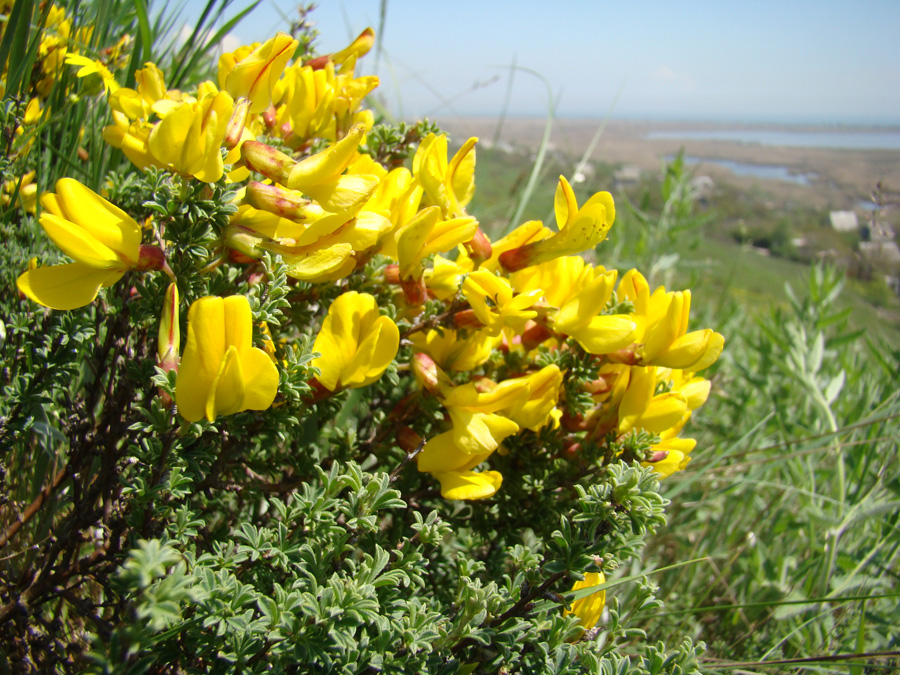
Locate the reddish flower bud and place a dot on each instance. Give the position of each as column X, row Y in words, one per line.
column 267, row 160
column 658, row 456
column 408, row 439
column 235, row 128
column 626, row 356
column 426, row 372
column 467, row 319
column 282, row 202
column 414, row 290
column 150, row 258
column 392, row 274
column 598, row 386
column 534, row 334
column 479, row 247
column 319, row 62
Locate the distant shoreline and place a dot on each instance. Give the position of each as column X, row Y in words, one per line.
column 683, row 124
column 843, row 175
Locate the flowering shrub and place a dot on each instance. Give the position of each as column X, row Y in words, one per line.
column 391, row 441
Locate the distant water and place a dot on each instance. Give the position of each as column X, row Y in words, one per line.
column 847, row 140
column 769, row 171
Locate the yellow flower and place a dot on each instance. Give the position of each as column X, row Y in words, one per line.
column 642, row 408
column 579, row 229
column 356, row 343
column 104, row 241
column 221, row 372
column 453, row 352
column 254, row 76
column 492, row 299
column 662, row 319
column 590, row 608
column 321, row 176
column 539, row 409
column 580, row 292
column 92, row 67
column 449, row 185
column 468, row 485
column 189, row 138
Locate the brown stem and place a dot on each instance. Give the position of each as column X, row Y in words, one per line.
column 33, row 508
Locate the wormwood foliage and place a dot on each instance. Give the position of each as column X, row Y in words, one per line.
column 274, row 400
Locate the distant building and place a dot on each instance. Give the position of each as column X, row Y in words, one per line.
column 880, row 252
column 628, row 175
column 844, row 221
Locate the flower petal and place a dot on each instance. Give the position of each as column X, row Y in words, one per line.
column 65, row 286
column 468, row 484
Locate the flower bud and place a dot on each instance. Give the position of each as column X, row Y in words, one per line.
column 408, row 439
column 535, row 334
column 267, row 160
column 392, row 273
column 169, row 342
column 426, row 372
column 235, row 128
column 467, row 319
column 150, row 258
column 414, row 290
column 274, row 199
column 479, row 247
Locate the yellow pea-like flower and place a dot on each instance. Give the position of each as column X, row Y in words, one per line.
column 590, row 608
column 579, row 229
column 221, row 372
column 469, row 485
column 356, row 343
column 189, row 138
column 255, row 75
column 104, row 241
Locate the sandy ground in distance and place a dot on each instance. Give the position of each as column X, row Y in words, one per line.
column 843, row 176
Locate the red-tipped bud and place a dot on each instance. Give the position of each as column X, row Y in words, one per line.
column 467, row 319
column 240, row 258
column 479, row 247
column 658, row 456
column 169, row 342
column 408, row 439
column 282, row 202
column 319, row 391
column 235, row 128
column 270, row 117
column 392, row 274
column 150, row 258
column 574, row 422
column 571, row 449
column 598, row 386
column 516, row 259
column 426, row 372
column 319, row 62
column 627, row 356
column 414, row 290
column 268, row 161
column 534, row 334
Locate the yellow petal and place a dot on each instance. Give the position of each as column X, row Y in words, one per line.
column 226, row 396
column 565, row 205
column 442, row 454
column 468, row 484
column 590, row 608
column 260, row 379
column 606, row 334
column 107, row 223
column 65, row 286
column 78, row 243
column 203, row 356
column 664, row 411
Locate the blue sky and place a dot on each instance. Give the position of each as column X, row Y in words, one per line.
column 789, row 61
